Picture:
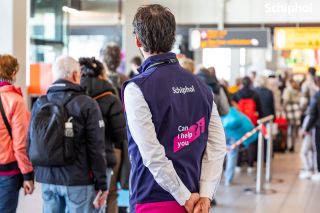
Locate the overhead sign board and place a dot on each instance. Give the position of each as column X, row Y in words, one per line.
column 288, row 38
column 231, row 38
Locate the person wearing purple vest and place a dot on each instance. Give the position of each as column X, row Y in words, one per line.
column 176, row 139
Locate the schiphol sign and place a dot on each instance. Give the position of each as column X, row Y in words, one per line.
column 200, row 38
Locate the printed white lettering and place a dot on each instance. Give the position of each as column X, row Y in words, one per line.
column 182, row 144
column 183, row 90
column 187, row 135
column 182, row 128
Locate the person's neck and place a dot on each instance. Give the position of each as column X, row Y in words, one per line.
column 70, row 80
column 310, row 78
column 147, row 55
column 2, row 80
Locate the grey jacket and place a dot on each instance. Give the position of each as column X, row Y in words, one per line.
column 222, row 103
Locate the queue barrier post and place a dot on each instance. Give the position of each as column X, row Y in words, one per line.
column 260, row 184
column 269, row 152
column 259, row 181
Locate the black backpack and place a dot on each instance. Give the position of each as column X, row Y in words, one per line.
column 51, row 136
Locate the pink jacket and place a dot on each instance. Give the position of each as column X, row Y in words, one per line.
column 13, row 152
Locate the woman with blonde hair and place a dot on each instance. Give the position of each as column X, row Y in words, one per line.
column 15, row 167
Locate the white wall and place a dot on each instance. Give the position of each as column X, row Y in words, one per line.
column 243, row 11
column 192, row 11
column 208, row 12
column 272, row 11
column 6, row 29
column 14, row 35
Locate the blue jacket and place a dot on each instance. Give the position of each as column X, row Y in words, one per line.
column 176, row 98
column 236, row 125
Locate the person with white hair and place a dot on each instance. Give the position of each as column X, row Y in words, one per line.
column 66, row 144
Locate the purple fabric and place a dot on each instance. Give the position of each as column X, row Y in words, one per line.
column 181, row 106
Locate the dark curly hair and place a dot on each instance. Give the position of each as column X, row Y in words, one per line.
column 155, row 27
column 111, row 55
column 90, row 67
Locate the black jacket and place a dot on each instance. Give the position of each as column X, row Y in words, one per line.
column 266, row 101
column 314, row 113
column 90, row 164
column 245, row 93
column 112, row 112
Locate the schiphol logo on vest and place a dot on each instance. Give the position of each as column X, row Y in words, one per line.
column 188, row 135
column 183, row 90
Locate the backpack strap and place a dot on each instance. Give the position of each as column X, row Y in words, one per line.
column 5, row 119
column 68, row 98
column 102, row 95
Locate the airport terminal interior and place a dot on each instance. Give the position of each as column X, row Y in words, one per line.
column 269, row 49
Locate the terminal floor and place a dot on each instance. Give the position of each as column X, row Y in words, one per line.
column 292, row 195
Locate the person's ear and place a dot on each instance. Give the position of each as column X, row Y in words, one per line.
column 103, row 76
column 138, row 42
column 76, row 77
column 14, row 75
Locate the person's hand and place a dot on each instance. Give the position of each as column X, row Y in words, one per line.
column 203, row 205
column 305, row 133
column 190, row 204
column 100, row 199
column 28, row 186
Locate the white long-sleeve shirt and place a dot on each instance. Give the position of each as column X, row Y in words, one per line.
column 153, row 153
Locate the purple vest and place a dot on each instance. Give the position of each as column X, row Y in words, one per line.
column 181, row 106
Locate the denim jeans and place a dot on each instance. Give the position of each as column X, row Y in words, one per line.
column 9, row 193
column 68, row 199
column 232, row 158
column 308, row 152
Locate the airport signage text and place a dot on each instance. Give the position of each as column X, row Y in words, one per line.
column 289, row 38
column 229, row 38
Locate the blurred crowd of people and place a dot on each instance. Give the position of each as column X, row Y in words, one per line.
column 294, row 105
column 101, row 163
column 293, row 102
column 84, row 148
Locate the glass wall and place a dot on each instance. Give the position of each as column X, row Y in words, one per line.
column 87, row 41
column 48, row 30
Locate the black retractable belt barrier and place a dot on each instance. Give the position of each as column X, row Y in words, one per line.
column 260, row 184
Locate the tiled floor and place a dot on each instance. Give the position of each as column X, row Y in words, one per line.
column 292, row 195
